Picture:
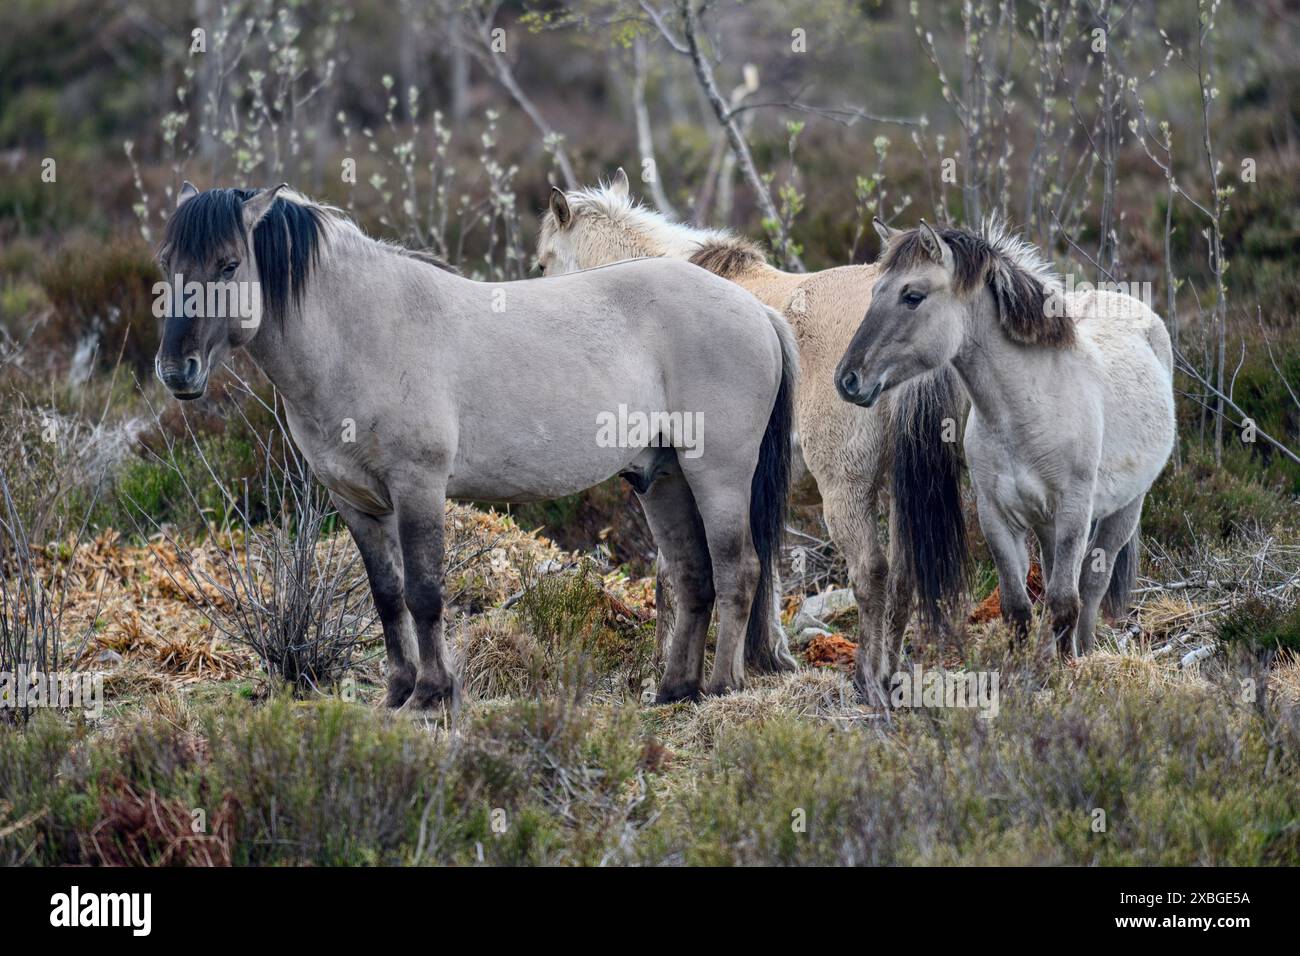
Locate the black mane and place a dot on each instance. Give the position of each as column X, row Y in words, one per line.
column 286, row 241
column 1021, row 296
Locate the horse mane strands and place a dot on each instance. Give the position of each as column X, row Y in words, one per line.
column 677, row 240
column 1026, row 291
column 729, row 258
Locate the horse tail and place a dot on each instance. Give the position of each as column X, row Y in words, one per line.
column 1123, row 576
column 927, row 493
column 768, row 494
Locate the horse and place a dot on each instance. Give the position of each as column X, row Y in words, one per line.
column 897, row 462
column 1072, row 408
column 406, row 384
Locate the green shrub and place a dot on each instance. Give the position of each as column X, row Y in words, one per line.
column 104, row 286
column 570, row 615
column 1262, row 625
column 179, row 490
column 1207, row 503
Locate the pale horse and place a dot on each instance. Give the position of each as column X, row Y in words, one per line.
column 406, row 384
column 1072, row 408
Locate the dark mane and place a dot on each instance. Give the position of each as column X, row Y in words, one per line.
column 728, row 257
column 286, row 241
column 1027, row 300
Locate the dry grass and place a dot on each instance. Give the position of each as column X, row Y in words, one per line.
column 555, row 731
column 818, row 695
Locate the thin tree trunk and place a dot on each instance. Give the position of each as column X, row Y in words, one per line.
column 704, row 73
column 644, row 133
column 499, row 66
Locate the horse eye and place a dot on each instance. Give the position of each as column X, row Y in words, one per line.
column 913, row 299
column 229, row 268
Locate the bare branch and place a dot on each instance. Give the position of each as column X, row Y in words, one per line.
column 498, row 65
column 704, row 73
column 644, row 134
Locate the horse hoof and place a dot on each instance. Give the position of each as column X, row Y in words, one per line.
column 672, row 695
column 399, row 691
column 427, row 697
column 722, row 688
column 872, row 691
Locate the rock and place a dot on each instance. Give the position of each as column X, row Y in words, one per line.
column 817, row 607
column 108, row 656
column 807, row 634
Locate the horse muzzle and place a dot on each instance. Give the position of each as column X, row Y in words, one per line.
column 852, row 389
column 186, row 379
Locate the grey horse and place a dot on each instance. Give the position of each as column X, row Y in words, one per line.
column 1072, row 407
column 406, row 384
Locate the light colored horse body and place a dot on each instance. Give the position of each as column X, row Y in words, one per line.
column 406, row 384
column 864, row 460
column 1072, row 408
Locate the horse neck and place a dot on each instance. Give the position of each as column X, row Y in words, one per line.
column 275, row 349
column 291, row 350
column 994, row 369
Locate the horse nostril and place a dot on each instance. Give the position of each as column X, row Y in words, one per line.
column 849, row 383
column 192, row 368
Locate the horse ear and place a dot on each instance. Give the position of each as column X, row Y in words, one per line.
column 560, row 206
column 259, row 204
column 884, row 232
column 935, row 247
column 619, row 185
column 188, row 192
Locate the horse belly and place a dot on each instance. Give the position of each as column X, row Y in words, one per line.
column 514, row 478
column 1139, row 430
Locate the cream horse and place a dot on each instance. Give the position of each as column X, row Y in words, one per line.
column 862, row 459
column 1072, row 407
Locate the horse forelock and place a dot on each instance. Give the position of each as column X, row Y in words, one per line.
column 287, row 242
column 1021, row 281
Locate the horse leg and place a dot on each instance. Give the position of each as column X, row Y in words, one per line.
column 1046, row 550
column 898, row 600
column 1011, row 557
column 420, row 532
column 376, row 539
column 1112, row 534
column 1070, row 538
column 850, row 511
column 665, row 609
column 687, row 574
column 722, row 497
